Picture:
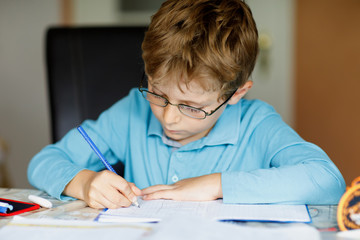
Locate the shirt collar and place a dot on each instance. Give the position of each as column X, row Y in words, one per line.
column 155, row 127
column 170, row 142
column 225, row 131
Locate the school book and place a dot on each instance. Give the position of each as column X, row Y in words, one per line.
column 156, row 210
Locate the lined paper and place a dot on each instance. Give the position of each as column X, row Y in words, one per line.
column 156, row 210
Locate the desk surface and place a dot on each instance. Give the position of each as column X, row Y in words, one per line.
column 323, row 216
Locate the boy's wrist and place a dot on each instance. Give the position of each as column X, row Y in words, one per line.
column 75, row 188
column 219, row 187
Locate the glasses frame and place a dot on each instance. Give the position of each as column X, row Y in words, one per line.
column 167, row 102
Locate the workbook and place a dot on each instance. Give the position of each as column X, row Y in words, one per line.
column 175, row 228
column 156, row 210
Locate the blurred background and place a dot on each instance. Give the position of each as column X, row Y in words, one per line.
column 308, row 69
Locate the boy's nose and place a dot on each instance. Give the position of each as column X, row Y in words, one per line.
column 171, row 114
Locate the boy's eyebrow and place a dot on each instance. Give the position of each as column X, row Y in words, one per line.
column 191, row 103
column 187, row 102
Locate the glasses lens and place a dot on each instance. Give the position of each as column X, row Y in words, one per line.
column 154, row 99
column 192, row 112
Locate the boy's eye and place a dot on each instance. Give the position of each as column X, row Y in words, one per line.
column 190, row 109
column 157, row 96
column 154, row 95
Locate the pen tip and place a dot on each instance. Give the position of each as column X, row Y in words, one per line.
column 136, row 204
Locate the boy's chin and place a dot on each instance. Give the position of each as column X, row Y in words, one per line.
column 175, row 136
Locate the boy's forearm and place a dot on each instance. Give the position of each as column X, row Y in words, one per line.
column 202, row 188
column 308, row 183
column 50, row 171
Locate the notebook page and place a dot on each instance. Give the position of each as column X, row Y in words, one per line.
column 155, row 210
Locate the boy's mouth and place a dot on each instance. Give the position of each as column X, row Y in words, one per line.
column 172, row 131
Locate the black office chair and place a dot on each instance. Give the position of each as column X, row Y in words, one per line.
column 88, row 70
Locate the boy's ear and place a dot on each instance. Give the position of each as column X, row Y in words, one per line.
column 240, row 93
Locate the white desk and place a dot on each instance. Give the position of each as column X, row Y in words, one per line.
column 323, row 216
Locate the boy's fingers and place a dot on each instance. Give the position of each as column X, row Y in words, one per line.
column 162, row 194
column 124, row 187
column 155, row 188
column 95, row 204
column 115, row 199
column 135, row 189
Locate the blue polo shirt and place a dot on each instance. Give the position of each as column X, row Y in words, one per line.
column 260, row 158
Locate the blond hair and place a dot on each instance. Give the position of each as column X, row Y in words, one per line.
column 214, row 42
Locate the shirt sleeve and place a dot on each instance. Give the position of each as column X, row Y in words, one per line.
column 57, row 164
column 294, row 171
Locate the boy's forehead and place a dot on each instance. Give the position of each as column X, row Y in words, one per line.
column 190, row 88
column 195, row 84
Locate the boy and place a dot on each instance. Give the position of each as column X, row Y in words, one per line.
column 187, row 133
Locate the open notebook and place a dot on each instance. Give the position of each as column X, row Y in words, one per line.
column 156, row 210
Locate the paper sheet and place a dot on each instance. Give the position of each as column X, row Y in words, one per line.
column 175, row 228
column 155, row 210
column 197, row 228
column 34, row 229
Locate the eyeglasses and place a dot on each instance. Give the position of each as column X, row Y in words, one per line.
column 187, row 110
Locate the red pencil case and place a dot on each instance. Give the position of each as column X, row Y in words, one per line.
column 18, row 207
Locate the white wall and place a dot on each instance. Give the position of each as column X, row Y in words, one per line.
column 94, row 12
column 24, row 120
column 109, row 12
column 276, row 84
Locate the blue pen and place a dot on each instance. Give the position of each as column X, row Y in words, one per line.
column 4, row 207
column 100, row 155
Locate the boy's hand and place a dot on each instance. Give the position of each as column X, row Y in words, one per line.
column 103, row 189
column 203, row 188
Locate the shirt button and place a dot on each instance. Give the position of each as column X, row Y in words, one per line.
column 178, row 155
column 175, row 178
